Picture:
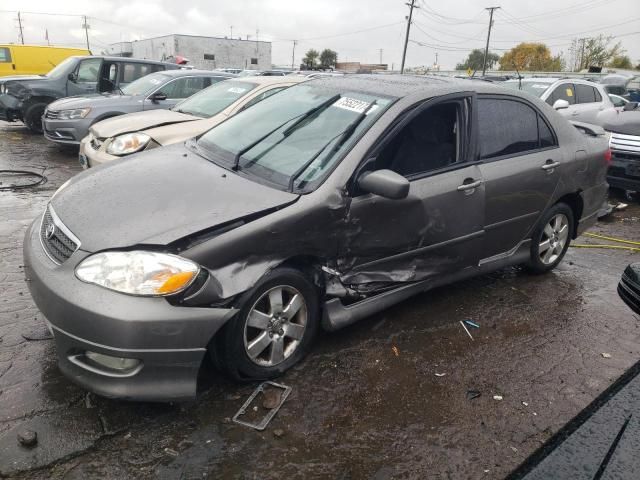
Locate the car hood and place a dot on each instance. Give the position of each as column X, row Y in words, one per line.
column 174, row 133
column 10, row 78
column 95, row 101
column 626, row 123
column 157, row 197
column 134, row 122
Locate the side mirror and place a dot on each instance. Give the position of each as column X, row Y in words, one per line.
column 386, row 183
column 560, row 104
column 157, row 97
column 73, row 77
column 630, row 106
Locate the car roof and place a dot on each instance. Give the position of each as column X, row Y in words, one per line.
column 194, row 72
column 125, row 59
column 395, row 85
column 261, row 80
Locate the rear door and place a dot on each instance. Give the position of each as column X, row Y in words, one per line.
column 437, row 228
column 564, row 91
column 589, row 103
column 521, row 164
column 177, row 90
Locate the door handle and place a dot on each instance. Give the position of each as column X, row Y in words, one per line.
column 13, row 65
column 469, row 186
column 550, row 165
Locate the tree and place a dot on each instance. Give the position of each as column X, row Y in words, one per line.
column 621, row 61
column 475, row 59
column 531, row 56
column 594, row 52
column 328, row 58
column 310, row 59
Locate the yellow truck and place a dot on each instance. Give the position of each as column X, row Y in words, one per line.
column 33, row 59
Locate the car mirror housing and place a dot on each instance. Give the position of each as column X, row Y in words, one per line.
column 560, row 104
column 386, row 183
column 158, row 96
column 72, row 76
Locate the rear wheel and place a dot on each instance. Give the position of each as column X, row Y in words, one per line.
column 33, row 117
column 551, row 238
column 274, row 329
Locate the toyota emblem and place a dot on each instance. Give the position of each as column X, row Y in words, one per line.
column 50, row 231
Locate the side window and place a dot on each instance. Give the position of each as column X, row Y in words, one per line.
column 112, row 74
column 262, row 96
column 598, row 96
column 5, row 55
column 428, row 142
column 183, row 87
column 563, row 92
column 506, row 127
column 89, row 70
column 585, row 94
column 546, row 136
column 128, row 73
column 254, row 61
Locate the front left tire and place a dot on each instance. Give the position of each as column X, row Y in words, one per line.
column 277, row 323
column 33, row 117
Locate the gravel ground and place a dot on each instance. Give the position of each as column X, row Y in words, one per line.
column 386, row 398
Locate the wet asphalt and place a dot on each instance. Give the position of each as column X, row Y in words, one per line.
column 405, row 393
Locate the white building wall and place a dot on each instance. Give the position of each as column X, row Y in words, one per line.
column 158, row 48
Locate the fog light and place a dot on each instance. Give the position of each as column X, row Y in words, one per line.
column 114, row 363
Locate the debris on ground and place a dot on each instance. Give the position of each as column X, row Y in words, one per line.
column 472, row 324
column 283, row 392
column 27, row 438
column 525, row 404
column 465, row 329
column 606, row 355
column 621, row 207
column 440, row 374
column 497, row 397
column 278, row 432
column 38, row 335
column 171, row 452
column 271, row 399
column 471, row 394
column 395, row 351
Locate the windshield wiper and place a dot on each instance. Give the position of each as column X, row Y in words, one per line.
column 287, row 132
column 343, row 137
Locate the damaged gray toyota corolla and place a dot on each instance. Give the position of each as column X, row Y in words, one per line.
column 314, row 208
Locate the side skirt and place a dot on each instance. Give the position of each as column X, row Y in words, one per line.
column 337, row 316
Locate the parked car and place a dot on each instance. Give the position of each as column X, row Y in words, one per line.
column 315, row 208
column 68, row 120
column 629, row 287
column 26, row 99
column 624, row 128
column 33, row 60
column 118, row 137
column 575, row 99
column 618, row 101
column 625, row 84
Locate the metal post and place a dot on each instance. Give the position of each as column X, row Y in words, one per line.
column 411, row 6
column 486, row 48
column 20, row 27
column 293, row 55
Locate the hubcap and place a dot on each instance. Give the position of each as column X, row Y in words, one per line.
column 275, row 326
column 554, row 238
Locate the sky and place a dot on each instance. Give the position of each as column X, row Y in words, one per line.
column 359, row 30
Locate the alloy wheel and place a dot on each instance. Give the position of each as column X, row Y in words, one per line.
column 554, row 238
column 275, row 326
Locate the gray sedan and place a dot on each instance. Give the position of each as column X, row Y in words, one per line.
column 314, row 208
column 67, row 120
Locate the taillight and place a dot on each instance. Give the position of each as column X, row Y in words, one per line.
column 607, row 156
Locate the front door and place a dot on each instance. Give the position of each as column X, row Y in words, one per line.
column 521, row 164
column 86, row 77
column 437, row 228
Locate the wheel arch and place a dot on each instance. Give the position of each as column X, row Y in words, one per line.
column 576, row 204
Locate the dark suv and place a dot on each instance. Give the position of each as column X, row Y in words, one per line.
column 25, row 98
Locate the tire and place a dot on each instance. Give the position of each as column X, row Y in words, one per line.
column 260, row 342
column 551, row 238
column 33, row 117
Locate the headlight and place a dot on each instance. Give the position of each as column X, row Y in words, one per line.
column 73, row 114
column 3, row 88
column 128, row 143
column 138, row 272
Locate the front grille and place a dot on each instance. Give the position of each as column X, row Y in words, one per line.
column 56, row 238
column 51, row 114
column 625, row 143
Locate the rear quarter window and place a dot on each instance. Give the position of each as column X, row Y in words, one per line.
column 585, row 94
column 5, row 55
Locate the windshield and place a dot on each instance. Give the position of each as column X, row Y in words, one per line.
column 292, row 140
column 146, row 84
column 529, row 86
column 62, row 69
column 214, row 99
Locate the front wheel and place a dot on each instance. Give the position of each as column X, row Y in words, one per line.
column 274, row 329
column 551, row 238
column 33, row 117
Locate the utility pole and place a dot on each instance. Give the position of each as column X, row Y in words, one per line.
column 86, row 27
column 582, row 40
column 293, row 55
column 381, row 56
column 411, row 6
column 20, row 27
column 436, row 59
column 231, row 36
column 486, row 48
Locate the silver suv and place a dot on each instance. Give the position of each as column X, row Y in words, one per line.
column 575, row 99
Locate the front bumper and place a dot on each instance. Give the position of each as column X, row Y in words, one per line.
column 624, row 171
column 10, row 108
column 629, row 287
column 169, row 341
column 92, row 155
column 68, row 132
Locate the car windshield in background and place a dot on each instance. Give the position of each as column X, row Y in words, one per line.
column 291, row 140
column 214, row 99
column 529, row 86
column 145, row 85
column 60, row 69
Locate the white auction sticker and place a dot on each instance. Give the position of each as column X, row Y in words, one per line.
column 237, row 90
column 538, row 85
column 353, row 105
column 155, row 81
